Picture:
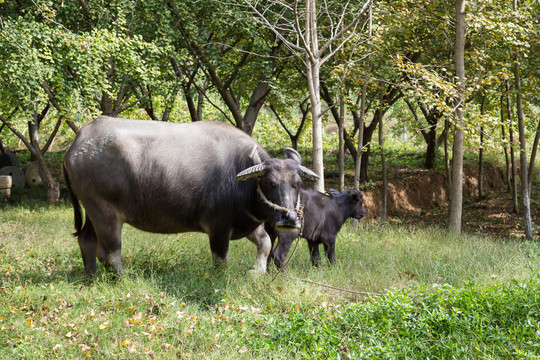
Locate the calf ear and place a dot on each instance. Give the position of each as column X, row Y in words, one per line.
column 293, row 154
column 333, row 192
column 355, row 197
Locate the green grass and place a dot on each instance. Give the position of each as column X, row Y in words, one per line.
column 445, row 296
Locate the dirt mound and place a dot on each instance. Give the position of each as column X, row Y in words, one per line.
column 421, row 191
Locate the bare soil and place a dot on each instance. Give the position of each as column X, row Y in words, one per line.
column 417, row 196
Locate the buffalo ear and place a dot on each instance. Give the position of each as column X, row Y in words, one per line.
column 333, row 192
column 304, row 172
column 293, row 154
column 254, row 155
column 307, row 174
column 254, row 171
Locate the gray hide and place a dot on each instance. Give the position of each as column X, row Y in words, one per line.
column 172, row 178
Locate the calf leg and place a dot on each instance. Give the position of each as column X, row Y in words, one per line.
column 314, row 253
column 260, row 238
column 329, row 248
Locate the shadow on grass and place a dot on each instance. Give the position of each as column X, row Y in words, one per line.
column 190, row 279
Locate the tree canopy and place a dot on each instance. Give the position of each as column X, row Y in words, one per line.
column 64, row 63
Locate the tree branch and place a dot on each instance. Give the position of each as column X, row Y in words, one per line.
column 53, row 135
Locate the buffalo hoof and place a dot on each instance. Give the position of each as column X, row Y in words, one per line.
column 256, row 271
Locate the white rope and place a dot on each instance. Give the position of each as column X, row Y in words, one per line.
column 275, row 206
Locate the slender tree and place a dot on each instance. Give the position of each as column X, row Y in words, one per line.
column 525, row 196
column 384, row 199
column 513, row 177
column 457, row 154
column 298, row 27
column 481, row 152
column 362, row 112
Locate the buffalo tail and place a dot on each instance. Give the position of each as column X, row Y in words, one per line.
column 77, row 213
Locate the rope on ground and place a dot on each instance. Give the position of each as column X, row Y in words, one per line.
column 336, row 288
column 297, row 240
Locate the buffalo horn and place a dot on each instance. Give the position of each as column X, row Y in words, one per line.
column 251, row 172
column 307, row 174
column 293, row 154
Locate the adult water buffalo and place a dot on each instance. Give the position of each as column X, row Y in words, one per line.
column 168, row 178
column 323, row 217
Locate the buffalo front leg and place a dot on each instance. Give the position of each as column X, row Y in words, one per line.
column 272, row 234
column 260, row 238
column 285, row 241
column 219, row 245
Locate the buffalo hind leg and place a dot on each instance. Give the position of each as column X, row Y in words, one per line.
column 260, row 238
column 88, row 244
column 109, row 245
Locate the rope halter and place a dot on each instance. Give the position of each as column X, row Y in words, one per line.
column 299, row 207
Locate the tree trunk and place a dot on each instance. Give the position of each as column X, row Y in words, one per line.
column 358, row 157
column 257, row 101
column 313, row 64
column 525, row 196
column 358, row 162
column 341, row 150
column 432, row 117
column 316, row 112
column 505, row 148
column 448, row 171
column 384, row 177
column 431, row 151
column 515, row 204
column 456, row 204
column 533, row 156
column 52, row 188
column 368, row 135
column 2, row 148
column 481, row 154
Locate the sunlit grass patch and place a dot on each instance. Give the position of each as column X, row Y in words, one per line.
column 173, row 303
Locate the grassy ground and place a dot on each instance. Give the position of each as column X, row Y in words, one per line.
column 444, row 296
